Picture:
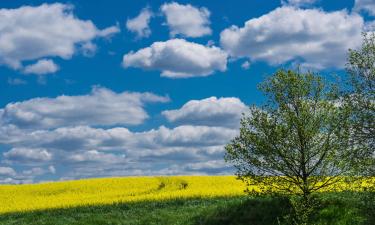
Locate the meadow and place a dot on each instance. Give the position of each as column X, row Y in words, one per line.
column 162, row 200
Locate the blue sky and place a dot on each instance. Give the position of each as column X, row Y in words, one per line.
column 123, row 88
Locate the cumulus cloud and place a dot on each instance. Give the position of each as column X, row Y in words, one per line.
column 27, row 155
column 9, row 176
column 108, row 32
column 187, row 20
column 178, row 58
column 208, row 165
column 36, row 171
column 365, row 5
column 190, row 136
column 101, row 107
column 7, row 171
column 140, row 24
column 41, row 67
column 7, row 180
column 211, row 111
column 111, row 151
column 312, row 37
column 58, row 135
column 95, row 156
column 119, row 138
column 48, row 30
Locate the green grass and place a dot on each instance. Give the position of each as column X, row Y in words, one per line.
column 182, row 212
column 335, row 209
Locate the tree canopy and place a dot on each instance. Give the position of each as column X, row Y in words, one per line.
column 298, row 142
column 361, row 99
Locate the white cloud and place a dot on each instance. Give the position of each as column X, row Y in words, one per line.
column 28, row 155
column 41, row 67
column 88, row 49
column 315, row 38
column 365, row 5
column 119, row 138
column 48, row 30
column 101, row 107
column 109, row 31
column 25, row 176
column 212, row 164
column 140, row 24
column 178, row 58
column 210, row 111
column 36, row 171
column 7, row 171
column 298, row 2
column 85, row 151
column 8, row 180
column 52, row 138
column 187, row 20
column 189, row 136
column 95, row 156
column 9, row 175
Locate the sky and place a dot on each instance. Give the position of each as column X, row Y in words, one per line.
column 138, row 88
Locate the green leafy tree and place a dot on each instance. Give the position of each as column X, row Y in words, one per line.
column 361, row 99
column 298, row 141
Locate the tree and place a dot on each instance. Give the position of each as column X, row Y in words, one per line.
column 361, row 99
column 296, row 143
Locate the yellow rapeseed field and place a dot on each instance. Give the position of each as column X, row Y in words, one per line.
column 28, row 197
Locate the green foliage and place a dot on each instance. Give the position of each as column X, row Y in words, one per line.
column 304, row 208
column 367, row 206
column 298, row 142
column 256, row 211
column 361, row 66
column 338, row 208
column 361, row 99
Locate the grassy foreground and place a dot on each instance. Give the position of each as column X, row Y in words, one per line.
column 336, row 209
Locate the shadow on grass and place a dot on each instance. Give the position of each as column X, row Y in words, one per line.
column 254, row 211
column 169, row 212
column 345, row 208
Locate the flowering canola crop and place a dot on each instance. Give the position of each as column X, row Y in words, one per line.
column 64, row 194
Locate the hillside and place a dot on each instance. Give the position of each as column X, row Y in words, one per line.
column 184, row 200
